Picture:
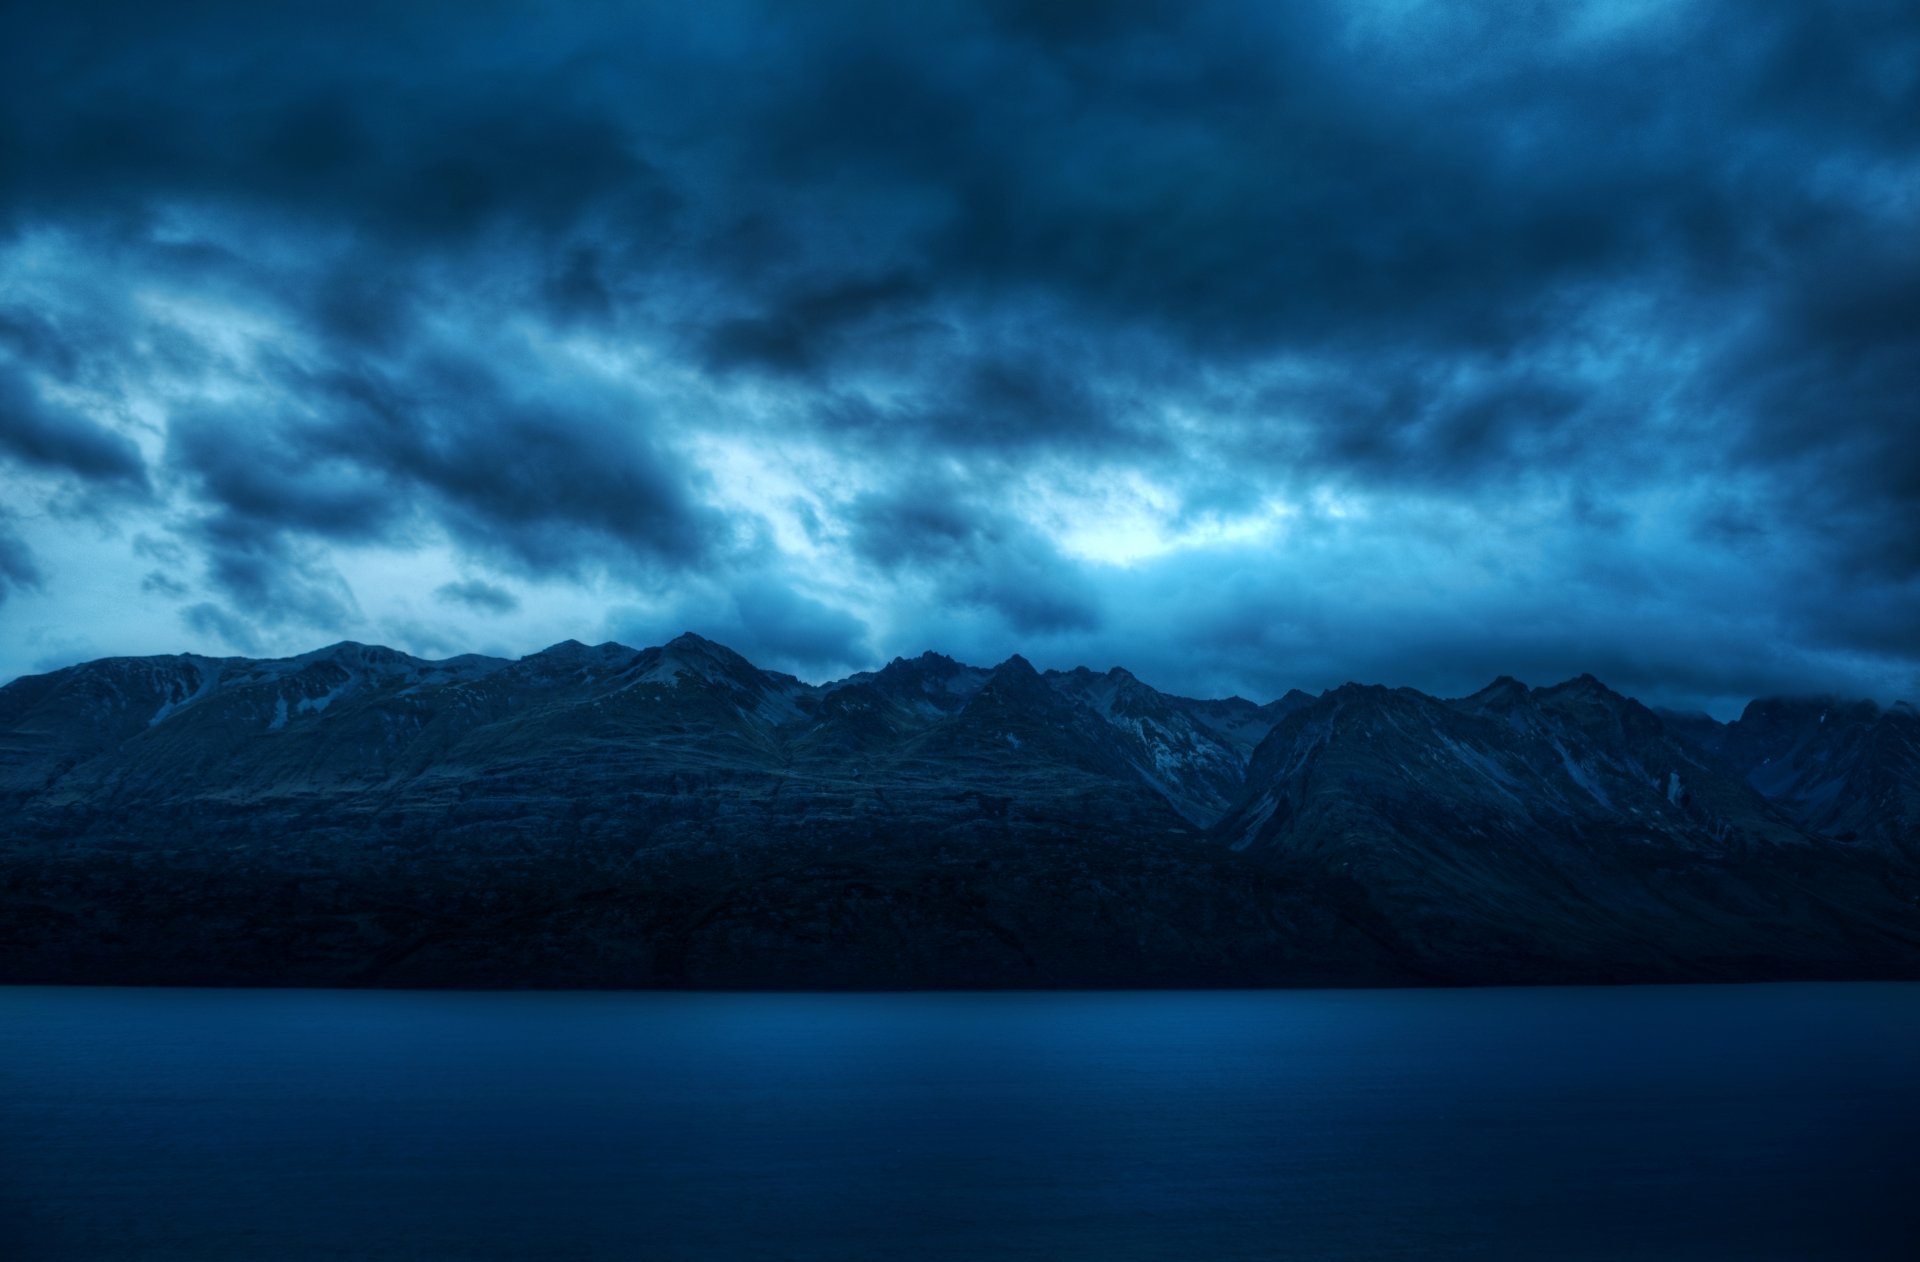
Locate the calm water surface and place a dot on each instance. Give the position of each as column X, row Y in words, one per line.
column 1699, row 1122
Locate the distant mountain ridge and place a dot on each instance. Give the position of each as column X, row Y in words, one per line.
column 675, row 815
column 1191, row 751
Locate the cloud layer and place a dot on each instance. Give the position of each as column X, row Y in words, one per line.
column 1253, row 346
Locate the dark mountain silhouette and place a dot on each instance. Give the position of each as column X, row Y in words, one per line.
column 1569, row 822
column 1849, row 770
column 676, row 816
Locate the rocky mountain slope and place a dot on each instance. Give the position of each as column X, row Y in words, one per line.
column 1847, row 769
column 676, row 816
column 1480, row 830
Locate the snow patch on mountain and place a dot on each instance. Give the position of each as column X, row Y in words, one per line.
column 180, row 696
column 1582, row 775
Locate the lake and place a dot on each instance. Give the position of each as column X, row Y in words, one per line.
column 1680, row 1122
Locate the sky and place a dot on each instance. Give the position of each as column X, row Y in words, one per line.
column 1249, row 346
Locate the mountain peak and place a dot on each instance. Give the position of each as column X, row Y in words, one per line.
column 1584, row 685
column 1817, row 703
column 1352, row 689
column 568, row 653
column 1502, row 696
column 688, row 655
column 354, row 651
column 927, row 668
column 342, row 646
column 929, row 680
column 1016, row 678
column 688, row 646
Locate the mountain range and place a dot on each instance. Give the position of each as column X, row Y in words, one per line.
column 675, row 816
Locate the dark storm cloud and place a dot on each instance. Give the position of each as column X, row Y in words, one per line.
column 478, row 595
column 1010, row 400
column 28, row 334
column 577, row 289
column 544, row 484
column 221, row 624
column 1829, row 388
column 1585, row 293
column 264, row 495
column 43, row 435
column 1238, row 174
column 761, row 617
column 274, row 579
column 802, row 330
column 1439, row 422
column 18, row 570
column 266, row 479
column 165, row 584
column 797, row 628
column 545, row 478
column 973, row 555
column 345, row 118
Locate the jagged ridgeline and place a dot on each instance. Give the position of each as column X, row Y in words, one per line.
column 675, row 816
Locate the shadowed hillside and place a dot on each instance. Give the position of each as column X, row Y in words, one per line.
column 675, row 816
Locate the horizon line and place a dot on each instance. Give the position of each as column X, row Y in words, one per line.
column 1833, row 698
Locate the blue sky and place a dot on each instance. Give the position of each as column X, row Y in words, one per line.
column 1249, row 346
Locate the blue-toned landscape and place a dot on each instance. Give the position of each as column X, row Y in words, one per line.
column 1058, row 629
column 677, row 817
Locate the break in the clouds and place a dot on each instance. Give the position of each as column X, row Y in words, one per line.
column 1253, row 346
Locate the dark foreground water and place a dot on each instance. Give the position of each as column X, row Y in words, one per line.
column 1724, row 1122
